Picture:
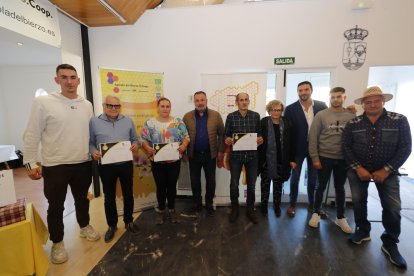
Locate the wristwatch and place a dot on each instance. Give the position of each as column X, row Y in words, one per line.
column 387, row 169
column 31, row 166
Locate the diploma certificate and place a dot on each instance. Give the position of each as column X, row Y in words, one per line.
column 115, row 152
column 166, row 152
column 244, row 141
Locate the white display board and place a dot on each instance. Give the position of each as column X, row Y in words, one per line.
column 221, row 90
column 7, row 190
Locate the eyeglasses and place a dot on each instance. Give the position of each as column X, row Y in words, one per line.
column 113, row 106
column 275, row 110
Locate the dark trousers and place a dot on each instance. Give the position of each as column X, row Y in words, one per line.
column 56, row 181
column 251, row 176
column 166, row 176
column 109, row 174
column 338, row 167
column 202, row 160
column 265, row 188
column 294, row 179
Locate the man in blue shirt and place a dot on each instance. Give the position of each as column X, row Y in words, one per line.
column 242, row 121
column 376, row 144
column 110, row 127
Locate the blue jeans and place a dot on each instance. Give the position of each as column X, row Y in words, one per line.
column 294, row 179
column 203, row 161
column 389, row 194
column 251, row 176
column 338, row 166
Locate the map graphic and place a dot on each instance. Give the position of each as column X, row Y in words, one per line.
column 223, row 100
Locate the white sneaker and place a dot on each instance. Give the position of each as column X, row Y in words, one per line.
column 314, row 221
column 344, row 225
column 89, row 233
column 59, row 254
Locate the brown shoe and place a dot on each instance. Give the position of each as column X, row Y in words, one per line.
column 173, row 215
column 159, row 217
column 291, row 211
column 323, row 214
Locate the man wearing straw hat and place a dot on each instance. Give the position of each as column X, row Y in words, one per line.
column 376, row 144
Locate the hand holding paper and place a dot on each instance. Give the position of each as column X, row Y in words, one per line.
column 244, row 141
column 166, row 152
column 115, row 152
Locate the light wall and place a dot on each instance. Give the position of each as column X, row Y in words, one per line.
column 4, row 133
column 186, row 42
column 19, row 83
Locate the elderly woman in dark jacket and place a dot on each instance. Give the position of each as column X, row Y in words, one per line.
column 276, row 155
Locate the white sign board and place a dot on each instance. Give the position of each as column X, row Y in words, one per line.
column 37, row 19
column 7, row 190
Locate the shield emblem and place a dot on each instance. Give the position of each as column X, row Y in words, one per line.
column 354, row 54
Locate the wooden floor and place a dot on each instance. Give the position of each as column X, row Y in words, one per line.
column 84, row 255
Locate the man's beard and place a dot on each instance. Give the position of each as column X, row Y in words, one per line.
column 201, row 109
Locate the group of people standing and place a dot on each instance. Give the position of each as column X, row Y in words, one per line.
column 366, row 148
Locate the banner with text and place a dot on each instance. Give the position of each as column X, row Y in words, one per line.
column 138, row 92
column 36, row 19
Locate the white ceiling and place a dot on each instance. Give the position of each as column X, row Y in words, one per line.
column 32, row 52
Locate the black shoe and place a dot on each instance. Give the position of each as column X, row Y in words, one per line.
column 234, row 212
column 263, row 209
column 210, row 211
column 394, row 255
column 109, row 235
column 197, row 208
column 359, row 236
column 131, row 228
column 277, row 209
column 251, row 214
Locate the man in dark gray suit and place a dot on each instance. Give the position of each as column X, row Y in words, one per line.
column 301, row 114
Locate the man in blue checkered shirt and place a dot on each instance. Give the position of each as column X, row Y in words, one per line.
column 376, row 144
column 242, row 121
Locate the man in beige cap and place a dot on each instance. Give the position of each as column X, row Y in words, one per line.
column 376, row 144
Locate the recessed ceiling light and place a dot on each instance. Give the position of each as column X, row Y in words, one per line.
column 19, row 44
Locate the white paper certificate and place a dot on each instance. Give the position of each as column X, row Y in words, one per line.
column 244, row 141
column 115, row 152
column 166, row 152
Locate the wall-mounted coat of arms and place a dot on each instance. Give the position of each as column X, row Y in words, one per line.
column 355, row 50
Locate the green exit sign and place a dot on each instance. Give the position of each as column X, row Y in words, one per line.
column 284, row 60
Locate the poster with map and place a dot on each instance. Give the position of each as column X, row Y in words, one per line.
column 221, row 90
